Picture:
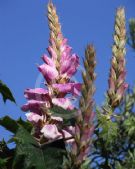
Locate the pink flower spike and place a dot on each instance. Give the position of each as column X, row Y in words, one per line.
column 50, row 131
column 63, row 102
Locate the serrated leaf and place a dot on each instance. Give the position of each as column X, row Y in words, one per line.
column 6, row 93
column 26, row 124
column 46, row 157
column 8, row 123
column 12, row 125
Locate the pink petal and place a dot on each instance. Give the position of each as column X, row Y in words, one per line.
column 69, row 132
column 63, row 102
column 52, row 53
column 71, row 67
column 66, row 53
column 65, row 65
column 49, row 73
column 67, row 136
column 37, row 94
column 73, row 88
column 48, row 60
column 35, row 106
column 59, row 119
column 50, row 131
column 34, row 118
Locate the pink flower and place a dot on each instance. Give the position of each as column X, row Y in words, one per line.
column 68, row 133
column 58, row 119
column 37, row 94
column 67, row 136
column 50, row 73
column 52, row 53
column 51, row 132
column 63, row 102
column 73, row 88
column 48, row 60
column 34, row 118
column 35, row 106
column 69, row 62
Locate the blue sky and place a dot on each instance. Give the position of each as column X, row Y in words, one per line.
column 24, row 37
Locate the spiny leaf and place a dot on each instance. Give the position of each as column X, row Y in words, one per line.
column 26, row 124
column 6, row 93
column 8, row 123
column 12, row 125
column 46, row 157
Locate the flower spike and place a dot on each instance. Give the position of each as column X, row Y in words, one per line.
column 84, row 123
column 117, row 83
column 57, row 70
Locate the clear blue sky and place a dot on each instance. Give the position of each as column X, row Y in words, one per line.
column 24, row 37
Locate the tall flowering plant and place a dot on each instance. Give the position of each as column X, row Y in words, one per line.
column 57, row 133
column 57, row 70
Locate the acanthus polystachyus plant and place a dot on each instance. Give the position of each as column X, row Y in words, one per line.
column 57, row 70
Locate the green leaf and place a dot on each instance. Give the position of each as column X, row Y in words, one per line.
column 129, row 125
column 8, row 123
column 26, row 124
column 32, row 155
column 65, row 114
column 6, row 93
column 86, row 164
column 109, row 129
column 3, row 163
column 12, row 125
